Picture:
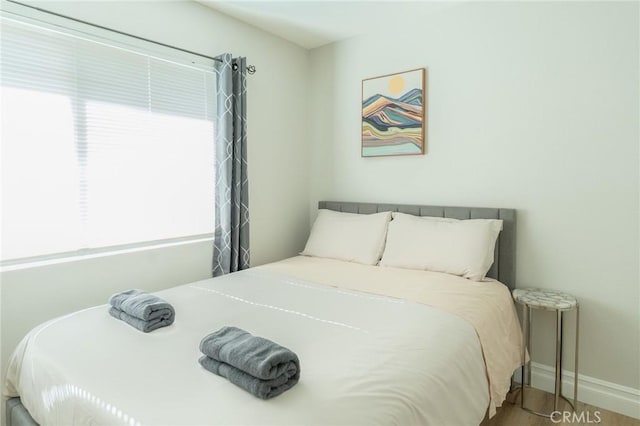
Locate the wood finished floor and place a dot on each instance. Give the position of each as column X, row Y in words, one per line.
column 512, row 415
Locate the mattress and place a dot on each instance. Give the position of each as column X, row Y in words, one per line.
column 366, row 357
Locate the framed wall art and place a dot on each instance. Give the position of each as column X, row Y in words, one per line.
column 394, row 114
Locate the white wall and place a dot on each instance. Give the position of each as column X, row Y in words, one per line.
column 277, row 167
column 532, row 106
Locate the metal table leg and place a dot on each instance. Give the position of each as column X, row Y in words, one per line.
column 558, row 390
column 530, row 311
column 575, row 363
column 525, row 320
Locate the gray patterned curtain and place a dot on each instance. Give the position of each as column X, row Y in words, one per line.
column 231, row 235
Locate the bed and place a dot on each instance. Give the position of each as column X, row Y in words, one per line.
column 431, row 348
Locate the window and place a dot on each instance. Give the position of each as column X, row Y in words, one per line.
column 103, row 145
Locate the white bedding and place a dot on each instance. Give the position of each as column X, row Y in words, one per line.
column 365, row 359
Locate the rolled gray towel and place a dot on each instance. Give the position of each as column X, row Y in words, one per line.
column 144, row 306
column 259, row 357
column 264, row 389
column 140, row 324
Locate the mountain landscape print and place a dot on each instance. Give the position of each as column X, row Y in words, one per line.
column 393, row 114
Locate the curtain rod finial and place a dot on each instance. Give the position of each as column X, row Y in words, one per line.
column 251, row 69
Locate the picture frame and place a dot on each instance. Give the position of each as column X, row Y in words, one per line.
column 394, row 114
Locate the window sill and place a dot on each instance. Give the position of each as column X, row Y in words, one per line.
column 34, row 262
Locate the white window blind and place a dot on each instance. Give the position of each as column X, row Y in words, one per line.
column 102, row 145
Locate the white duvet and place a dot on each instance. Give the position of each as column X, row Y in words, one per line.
column 365, row 359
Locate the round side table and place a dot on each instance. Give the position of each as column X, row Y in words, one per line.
column 547, row 300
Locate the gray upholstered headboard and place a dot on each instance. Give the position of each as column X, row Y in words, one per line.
column 504, row 265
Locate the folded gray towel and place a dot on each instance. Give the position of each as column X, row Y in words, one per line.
column 141, row 310
column 144, row 306
column 142, row 325
column 264, row 389
column 259, row 357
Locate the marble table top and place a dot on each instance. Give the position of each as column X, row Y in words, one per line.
column 545, row 298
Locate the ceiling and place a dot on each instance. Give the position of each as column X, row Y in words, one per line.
column 313, row 23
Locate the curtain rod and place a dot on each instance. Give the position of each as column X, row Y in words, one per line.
column 251, row 69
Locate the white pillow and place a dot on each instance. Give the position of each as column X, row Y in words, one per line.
column 457, row 247
column 348, row 236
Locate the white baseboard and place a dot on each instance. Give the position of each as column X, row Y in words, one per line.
column 607, row 395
